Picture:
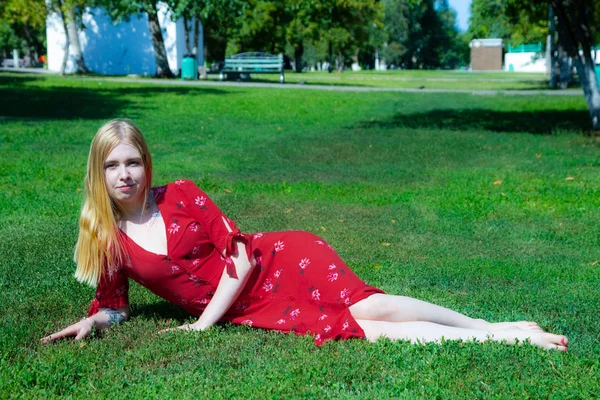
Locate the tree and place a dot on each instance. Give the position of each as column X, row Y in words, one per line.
column 71, row 12
column 422, row 34
column 216, row 17
column 345, row 26
column 121, row 10
column 23, row 21
column 531, row 22
column 575, row 22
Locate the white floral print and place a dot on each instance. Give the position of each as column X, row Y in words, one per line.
column 316, row 295
column 173, row 228
column 322, row 317
column 281, row 321
column 344, row 293
column 268, row 285
column 304, row 263
column 279, row 245
column 332, row 276
column 332, row 266
column 200, row 201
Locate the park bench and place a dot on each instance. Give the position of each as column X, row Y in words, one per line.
column 253, row 63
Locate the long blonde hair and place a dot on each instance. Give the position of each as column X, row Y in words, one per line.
column 98, row 245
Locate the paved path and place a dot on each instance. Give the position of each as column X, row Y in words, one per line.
column 28, row 70
column 332, row 88
column 295, row 86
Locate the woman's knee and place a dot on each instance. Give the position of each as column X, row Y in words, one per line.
column 372, row 308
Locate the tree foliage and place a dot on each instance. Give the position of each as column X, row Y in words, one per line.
column 408, row 33
column 575, row 23
column 22, row 27
column 513, row 21
column 422, row 34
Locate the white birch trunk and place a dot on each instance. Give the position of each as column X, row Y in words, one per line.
column 80, row 66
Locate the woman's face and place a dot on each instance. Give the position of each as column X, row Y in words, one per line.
column 124, row 174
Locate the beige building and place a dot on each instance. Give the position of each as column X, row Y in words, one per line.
column 486, row 54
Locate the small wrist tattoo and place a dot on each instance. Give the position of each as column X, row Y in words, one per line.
column 114, row 317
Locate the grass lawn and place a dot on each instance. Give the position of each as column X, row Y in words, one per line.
column 485, row 204
column 456, row 80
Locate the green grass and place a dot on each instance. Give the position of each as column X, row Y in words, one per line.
column 404, row 79
column 453, row 80
column 489, row 204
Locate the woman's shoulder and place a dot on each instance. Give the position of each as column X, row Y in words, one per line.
column 179, row 187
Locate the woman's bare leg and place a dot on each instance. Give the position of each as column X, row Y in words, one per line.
column 430, row 332
column 385, row 307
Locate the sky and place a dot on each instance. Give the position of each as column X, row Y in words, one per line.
column 463, row 11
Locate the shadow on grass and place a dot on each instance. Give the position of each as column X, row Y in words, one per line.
column 162, row 310
column 18, row 99
column 534, row 122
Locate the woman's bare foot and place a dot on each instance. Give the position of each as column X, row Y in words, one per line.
column 524, row 325
column 545, row 340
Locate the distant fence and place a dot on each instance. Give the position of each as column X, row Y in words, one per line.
column 525, row 48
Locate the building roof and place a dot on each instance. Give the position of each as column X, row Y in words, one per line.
column 486, row 43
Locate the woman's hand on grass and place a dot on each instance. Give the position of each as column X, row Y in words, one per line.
column 196, row 326
column 80, row 330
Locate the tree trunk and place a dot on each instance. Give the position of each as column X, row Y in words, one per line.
column 186, row 35
column 63, row 65
column 330, row 67
column 551, row 48
column 298, row 52
column 339, row 63
column 196, row 35
column 587, row 77
column 74, row 36
column 564, row 67
column 574, row 31
column 160, row 52
column 28, row 56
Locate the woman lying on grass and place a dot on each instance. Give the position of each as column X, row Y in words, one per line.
column 174, row 240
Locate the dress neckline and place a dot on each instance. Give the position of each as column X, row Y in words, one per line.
column 158, row 202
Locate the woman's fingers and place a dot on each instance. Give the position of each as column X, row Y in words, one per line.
column 83, row 332
column 68, row 331
column 186, row 327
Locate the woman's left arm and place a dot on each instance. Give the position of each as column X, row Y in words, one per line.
column 227, row 291
column 229, row 288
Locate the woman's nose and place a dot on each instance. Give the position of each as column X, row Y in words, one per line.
column 123, row 172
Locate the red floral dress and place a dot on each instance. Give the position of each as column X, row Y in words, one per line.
column 299, row 284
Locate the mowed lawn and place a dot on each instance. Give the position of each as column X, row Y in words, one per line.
column 485, row 204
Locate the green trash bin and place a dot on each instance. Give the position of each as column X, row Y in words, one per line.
column 189, row 68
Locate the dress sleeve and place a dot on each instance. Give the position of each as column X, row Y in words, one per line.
column 111, row 292
column 222, row 231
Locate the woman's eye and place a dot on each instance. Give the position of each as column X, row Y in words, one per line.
column 133, row 163
column 110, row 166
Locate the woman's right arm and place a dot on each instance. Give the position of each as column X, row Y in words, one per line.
column 103, row 319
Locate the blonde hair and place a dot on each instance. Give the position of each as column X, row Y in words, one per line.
column 98, row 245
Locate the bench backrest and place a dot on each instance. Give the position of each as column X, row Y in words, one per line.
column 254, row 62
